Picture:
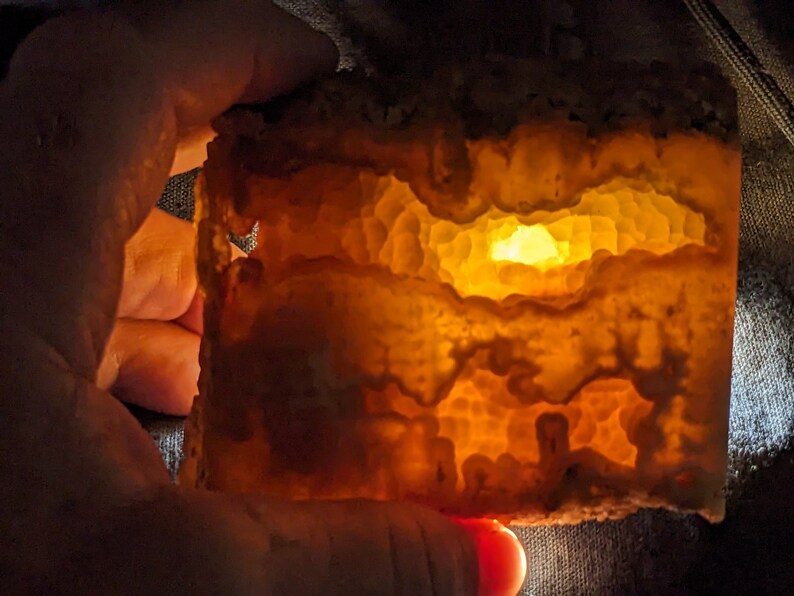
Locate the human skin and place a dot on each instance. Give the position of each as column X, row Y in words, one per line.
column 94, row 109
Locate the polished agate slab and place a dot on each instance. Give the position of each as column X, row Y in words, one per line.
column 507, row 291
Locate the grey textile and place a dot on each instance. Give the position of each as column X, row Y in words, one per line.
column 654, row 552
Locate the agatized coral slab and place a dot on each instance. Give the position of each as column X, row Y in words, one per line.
column 504, row 292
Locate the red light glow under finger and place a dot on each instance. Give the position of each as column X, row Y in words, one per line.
column 503, row 562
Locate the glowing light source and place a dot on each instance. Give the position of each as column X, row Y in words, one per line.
column 531, row 245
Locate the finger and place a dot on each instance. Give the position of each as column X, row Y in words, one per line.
column 193, row 318
column 159, row 269
column 160, row 280
column 408, row 549
column 151, row 364
column 96, row 104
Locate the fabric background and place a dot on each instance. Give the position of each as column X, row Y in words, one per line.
column 655, row 552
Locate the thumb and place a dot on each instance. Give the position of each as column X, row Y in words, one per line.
column 186, row 541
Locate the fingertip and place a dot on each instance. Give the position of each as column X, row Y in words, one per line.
column 193, row 318
column 290, row 53
column 155, row 365
column 502, row 559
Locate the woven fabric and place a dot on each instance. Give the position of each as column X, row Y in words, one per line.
column 656, row 552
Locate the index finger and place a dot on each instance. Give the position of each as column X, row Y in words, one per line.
column 95, row 106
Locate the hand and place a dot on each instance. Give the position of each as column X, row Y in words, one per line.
column 94, row 108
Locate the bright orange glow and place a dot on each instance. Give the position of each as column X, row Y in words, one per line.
column 544, row 254
column 485, row 421
column 531, row 245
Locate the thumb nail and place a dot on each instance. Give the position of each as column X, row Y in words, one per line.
column 503, row 562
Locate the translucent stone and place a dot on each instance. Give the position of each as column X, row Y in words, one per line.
column 538, row 331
